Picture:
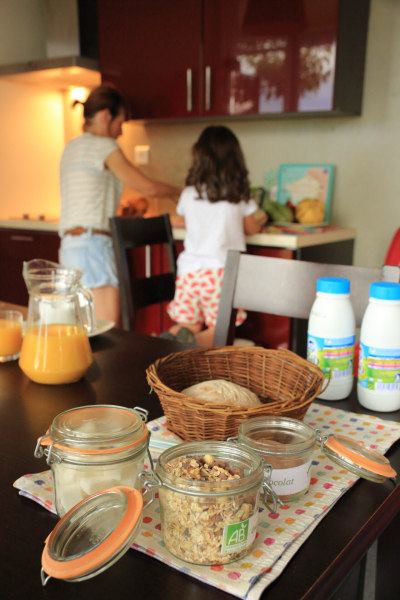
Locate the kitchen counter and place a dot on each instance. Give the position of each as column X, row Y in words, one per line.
column 291, row 241
column 33, row 225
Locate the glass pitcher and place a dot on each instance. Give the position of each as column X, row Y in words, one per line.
column 56, row 348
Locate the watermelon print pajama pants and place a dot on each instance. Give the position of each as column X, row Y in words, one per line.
column 197, row 297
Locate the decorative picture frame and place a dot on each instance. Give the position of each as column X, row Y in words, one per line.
column 297, row 182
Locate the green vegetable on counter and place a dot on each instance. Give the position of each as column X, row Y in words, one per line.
column 278, row 212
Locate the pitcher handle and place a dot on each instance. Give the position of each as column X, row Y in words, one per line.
column 86, row 304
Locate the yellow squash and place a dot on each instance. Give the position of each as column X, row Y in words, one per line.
column 310, row 210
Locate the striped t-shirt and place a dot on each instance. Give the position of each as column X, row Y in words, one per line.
column 90, row 193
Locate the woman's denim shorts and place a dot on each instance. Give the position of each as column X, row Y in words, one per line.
column 94, row 254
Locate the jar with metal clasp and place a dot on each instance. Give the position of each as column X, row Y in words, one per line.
column 93, row 448
column 207, row 520
column 287, row 444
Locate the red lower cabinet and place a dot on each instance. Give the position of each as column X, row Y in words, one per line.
column 17, row 246
column 146, row 261
column 165, row 318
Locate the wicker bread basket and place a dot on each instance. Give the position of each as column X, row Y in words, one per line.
column 285, row 383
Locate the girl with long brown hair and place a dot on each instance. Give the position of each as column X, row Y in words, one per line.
column 218, row 214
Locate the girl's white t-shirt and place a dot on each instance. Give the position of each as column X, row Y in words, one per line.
column 212, row 228
column 90, row 193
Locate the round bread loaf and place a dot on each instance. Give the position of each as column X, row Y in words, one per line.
column 221, row 391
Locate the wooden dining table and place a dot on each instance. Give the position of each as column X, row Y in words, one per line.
column 328, row 565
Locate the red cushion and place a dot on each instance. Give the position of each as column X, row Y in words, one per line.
column 393, row 253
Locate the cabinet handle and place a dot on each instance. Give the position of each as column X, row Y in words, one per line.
column 148, row 261
column 189, row 102
column 22, row 238
column 208, row 88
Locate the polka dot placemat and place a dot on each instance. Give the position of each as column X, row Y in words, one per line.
column 280, row 534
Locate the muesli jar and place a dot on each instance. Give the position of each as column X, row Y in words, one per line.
column 209, row 495
column 286, row 444
column 93, row 448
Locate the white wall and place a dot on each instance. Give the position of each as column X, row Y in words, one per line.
column 31, row 119
column 366, row 149
column 32, row 139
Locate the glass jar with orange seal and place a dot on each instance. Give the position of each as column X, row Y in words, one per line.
column 287, row 445
column 93, row 448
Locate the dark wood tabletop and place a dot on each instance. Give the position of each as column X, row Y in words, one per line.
column 118, row 377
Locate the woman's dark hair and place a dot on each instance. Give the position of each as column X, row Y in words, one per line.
column 219, row 169
column 100, row 98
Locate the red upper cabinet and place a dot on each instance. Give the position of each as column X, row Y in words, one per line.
column 150, row 50
column 263, row 57
column 214, row 58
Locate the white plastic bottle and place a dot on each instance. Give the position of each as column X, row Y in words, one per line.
column 331, row 336
column 379, row 362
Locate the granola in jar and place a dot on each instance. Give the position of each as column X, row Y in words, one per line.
column 286, row 444
column 209, row 501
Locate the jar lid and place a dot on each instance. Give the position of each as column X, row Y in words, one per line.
column 385, row 290
column 333, row 285
column 276, row 436
column 93, row 535
column 96, row 429
column 358, row 459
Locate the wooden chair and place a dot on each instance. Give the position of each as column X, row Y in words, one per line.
column 137, row 293
column 286, row 287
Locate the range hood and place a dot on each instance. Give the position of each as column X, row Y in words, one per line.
column 71, row 48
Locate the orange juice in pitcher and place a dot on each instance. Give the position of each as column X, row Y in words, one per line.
column 56, row 348
column 56, row 354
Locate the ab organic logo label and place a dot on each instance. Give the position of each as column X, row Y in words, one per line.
column 237, row 536
column 239, row 533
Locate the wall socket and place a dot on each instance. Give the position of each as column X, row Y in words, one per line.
column 142, row 155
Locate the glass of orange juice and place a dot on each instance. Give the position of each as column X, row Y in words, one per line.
column 11, row 322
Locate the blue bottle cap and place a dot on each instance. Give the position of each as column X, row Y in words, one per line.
column 333, row 285
column 385, row 290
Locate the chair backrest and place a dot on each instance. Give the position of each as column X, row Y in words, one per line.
column 136, row 293
column 285, row 287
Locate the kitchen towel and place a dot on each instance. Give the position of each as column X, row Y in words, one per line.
column 280, row 534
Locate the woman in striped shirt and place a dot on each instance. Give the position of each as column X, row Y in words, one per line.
column 93, row 170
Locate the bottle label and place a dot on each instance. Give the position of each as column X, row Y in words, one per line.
column 292, row 480
column 332, row 355
column 379, row 368
column 239, row 536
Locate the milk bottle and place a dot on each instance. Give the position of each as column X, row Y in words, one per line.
column 378, row 385
column 331, row 336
